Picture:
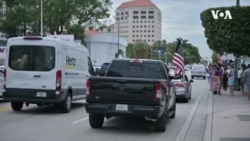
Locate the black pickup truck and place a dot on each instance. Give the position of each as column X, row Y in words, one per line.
column 132, row 87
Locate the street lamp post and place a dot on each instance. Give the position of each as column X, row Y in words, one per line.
column 118, row 20
column 41, row 18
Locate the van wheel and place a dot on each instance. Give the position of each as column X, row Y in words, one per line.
column 66, row 105
column 16, row 106
column 96, row 120
column 40, row 104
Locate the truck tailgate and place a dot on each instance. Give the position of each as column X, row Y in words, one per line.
column 122, row 90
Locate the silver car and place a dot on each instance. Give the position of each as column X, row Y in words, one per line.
column 183, row 88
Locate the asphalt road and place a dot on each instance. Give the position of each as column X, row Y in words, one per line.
column 47, row 124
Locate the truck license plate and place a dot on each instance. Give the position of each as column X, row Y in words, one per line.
column 41, row 94
column 121, row 107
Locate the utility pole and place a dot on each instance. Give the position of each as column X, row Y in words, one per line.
column 237, row 2
column 41, row 18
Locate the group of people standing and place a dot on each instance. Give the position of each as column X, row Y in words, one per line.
column 225, row 76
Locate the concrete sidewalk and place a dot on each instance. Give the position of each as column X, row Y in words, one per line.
column 231, row 117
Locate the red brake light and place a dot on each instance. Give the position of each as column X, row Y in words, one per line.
column 88, row 90
column 4, row 75
column 32, row 38
column 58, row 80
column 179, row 84
column 158, row 91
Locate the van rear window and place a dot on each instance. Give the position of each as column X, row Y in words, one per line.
column 32, row 58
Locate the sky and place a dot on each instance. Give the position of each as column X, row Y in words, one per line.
column 181, row 18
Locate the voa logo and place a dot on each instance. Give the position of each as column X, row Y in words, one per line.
column 221, row 14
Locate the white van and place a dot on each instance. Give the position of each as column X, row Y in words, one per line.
column 42, row 70
column 198, row 70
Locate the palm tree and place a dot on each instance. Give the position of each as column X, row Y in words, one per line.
column 119, row 52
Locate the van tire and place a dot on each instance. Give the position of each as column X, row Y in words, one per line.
column 66, row 104
column 173, row 110
column 16, row 106
column 96, row 120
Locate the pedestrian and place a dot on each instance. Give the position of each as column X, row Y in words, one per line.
column 239, row 78
column 243, row 67
column 231, row 77
column 246, row 81
column 218, row 73
column 225, row 79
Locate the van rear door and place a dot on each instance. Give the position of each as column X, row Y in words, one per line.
column 31, row 64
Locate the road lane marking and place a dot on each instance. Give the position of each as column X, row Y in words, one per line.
column 80, row 120
column 184, row 130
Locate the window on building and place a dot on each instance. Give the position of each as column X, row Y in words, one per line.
column 145, row 35
column 141, row 31
column 135, row 12
column 133, row 35
column 145, row 30
column 133, row 40
column 148, row 35
column 150, row 12
column 152, row 40
column 133, row 31
column 148, row 30
column 145, row 26
column 122, row 18
column 148, row 40
column 153, row 31
column 153, row 26
column 135, row 17
column 133, row 21
column 143, row 12
column 140, row 35
column 137, row 21
column 122, row 13
column 141, row 26
column 137, row 35
column 137, row 26
column 153, row 35
column 109, row 30
column 143, row 17
column 126, row 13
column 148, row 21
column 151, row 17
column 141, row 21
column 133, row 26
column 117, row 14
column 145, row 21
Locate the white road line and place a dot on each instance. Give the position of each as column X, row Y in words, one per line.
column 184, row 130
column 80, row 120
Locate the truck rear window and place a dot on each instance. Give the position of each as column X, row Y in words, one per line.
column 32, row 58
column 136, row 70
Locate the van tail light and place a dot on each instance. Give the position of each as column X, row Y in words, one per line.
column 4, row 75
column 58, row 81
column 88, row 88
column 158, row 91
column 179, row 84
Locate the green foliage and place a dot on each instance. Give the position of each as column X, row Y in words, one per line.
column 58, row 14
column 142, row 50
column 228, row 35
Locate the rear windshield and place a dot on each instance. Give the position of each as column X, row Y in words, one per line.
column 32, row 58
column 136, row 70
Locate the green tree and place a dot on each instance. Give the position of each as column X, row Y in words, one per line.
column 130, row 51
column 141, row 50
column 24, row 15
column 228, row 35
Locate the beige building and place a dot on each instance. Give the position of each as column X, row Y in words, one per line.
column 138, row 20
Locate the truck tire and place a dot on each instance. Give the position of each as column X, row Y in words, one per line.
column 16, row 106
column 160, row 124
column 96, row 120
column 173, row 110
column 66, row 104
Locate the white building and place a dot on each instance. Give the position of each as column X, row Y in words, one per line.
column 104, row 46
column 139, row 20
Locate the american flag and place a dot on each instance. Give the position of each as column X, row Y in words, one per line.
column 178, row 59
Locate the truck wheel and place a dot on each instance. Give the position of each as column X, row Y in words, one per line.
column 160, row 124
column 186, row 100
column 173, row 110
column 96, row 120
column 66, row 105
column 16, row 106
column 192, row 77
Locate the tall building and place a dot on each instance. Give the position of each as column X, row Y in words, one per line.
column 138, row 20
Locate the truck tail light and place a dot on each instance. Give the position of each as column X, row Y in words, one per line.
column 179, row 84
column 4, row 81
column 58, row 81
column 88, row 88
column 158, row 91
